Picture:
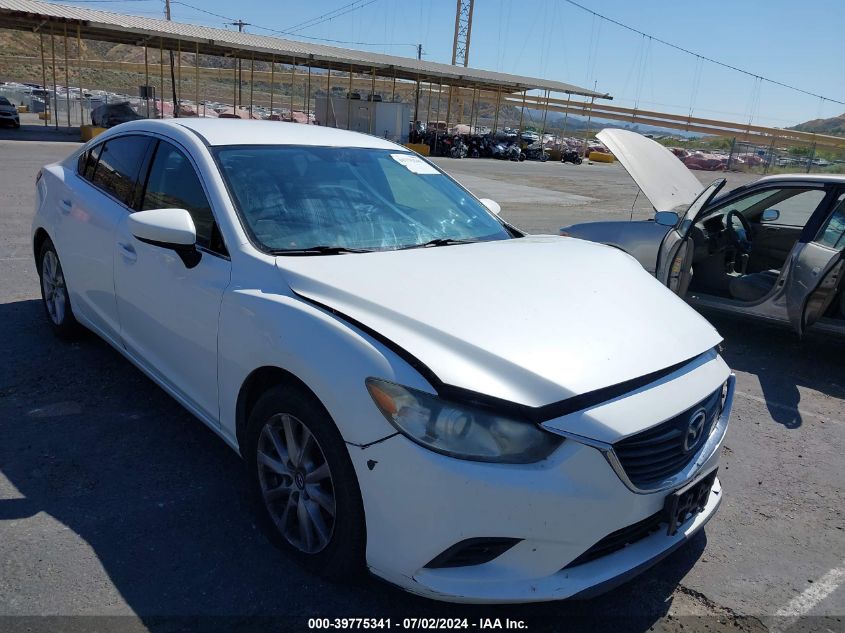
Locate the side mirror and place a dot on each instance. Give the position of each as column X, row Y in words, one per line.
column 167, row 228
column 666, row 218
column 770, row 215
column 491, row 205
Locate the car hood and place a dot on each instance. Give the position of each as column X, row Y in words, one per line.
column 533, row 320
column 662, row 178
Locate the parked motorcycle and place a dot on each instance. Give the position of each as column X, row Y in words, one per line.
column 499, row 150
column 571, row 156
column 459, row 148
column 514, row 152
column 536, row 151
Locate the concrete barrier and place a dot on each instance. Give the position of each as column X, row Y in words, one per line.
column 601, row 157
column 87, row 132
column 419, row 148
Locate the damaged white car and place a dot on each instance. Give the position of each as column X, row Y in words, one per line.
column 771, row 250
column 416, row 387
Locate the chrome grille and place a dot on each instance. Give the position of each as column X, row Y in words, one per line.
column 659, row 452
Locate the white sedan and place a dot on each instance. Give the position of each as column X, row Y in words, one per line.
column 416, row 387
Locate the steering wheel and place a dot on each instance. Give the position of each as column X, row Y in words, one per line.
column 741, row 236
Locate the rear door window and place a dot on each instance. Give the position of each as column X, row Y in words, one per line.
column 116, row 171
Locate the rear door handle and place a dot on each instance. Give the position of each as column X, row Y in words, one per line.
column 65, row 206
column 128, row 252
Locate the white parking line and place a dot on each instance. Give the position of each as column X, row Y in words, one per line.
column 809, row 598
column 785, row 407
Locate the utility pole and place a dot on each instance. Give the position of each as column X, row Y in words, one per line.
column 240, row 24
column 172, row 71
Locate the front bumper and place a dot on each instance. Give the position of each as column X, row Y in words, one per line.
column 419, row 503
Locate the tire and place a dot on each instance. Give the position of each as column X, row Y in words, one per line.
column 54, row 294
column 294, row 513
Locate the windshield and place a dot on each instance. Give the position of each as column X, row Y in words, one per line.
column 300, row 198
column 4, row 101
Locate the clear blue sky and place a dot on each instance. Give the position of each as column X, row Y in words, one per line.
column 798, row 43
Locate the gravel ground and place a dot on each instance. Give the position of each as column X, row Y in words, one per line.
column 115, row 502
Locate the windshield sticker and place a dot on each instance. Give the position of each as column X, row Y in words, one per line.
column 414, row 163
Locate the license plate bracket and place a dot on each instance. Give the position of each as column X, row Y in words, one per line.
column 687, row 502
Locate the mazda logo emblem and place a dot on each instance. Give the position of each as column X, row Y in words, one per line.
column 695, row 430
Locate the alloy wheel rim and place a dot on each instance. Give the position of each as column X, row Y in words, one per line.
column 296, row 483
column 53, row 285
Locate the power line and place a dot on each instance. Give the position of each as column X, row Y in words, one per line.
column 704, row 57
column 326, row 17
column 230, row 20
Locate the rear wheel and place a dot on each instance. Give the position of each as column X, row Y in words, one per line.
column 304, row 485
column 54, row 294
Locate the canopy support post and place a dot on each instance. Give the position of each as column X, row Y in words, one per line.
column 54, row 109
column 67, row 80
column 44, row 78
column 197, row 77
column 79, row 71
column 146, row 79
column 273, row 85
column 251, row 84
column 448, row 108
column 349, row 101
column 328, row 96
column 292, row 82
column 308, row 97
column 521, row 118
column 496, row 113
column 372, row 107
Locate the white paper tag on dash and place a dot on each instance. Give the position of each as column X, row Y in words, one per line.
column 414, row 164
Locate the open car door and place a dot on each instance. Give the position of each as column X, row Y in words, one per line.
column 674, row 259
column 815, row 279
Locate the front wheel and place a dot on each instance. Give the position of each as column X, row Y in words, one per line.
column 305, row 487
column 54, row 294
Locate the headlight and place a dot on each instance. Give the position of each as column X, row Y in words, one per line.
column 460, row 431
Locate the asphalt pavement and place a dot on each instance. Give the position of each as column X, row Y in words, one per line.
column 119, row 511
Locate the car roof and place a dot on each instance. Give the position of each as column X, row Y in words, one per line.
column 217, row 132
column 803, row 178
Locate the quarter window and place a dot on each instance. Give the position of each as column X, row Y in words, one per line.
column 173, row 183
column 116, row 172
column 88, row 161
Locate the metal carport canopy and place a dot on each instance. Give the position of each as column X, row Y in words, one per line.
column 31, row 15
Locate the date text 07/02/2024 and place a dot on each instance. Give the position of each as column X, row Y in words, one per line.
column 416, row 623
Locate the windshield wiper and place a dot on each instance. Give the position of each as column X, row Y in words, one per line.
column 320, row 250
column 439, row 241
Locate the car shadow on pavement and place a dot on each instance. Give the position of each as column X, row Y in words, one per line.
column 90, row 443
column 782, row 362
column 35, row 132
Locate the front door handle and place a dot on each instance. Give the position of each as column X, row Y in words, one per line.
column 128, row 252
